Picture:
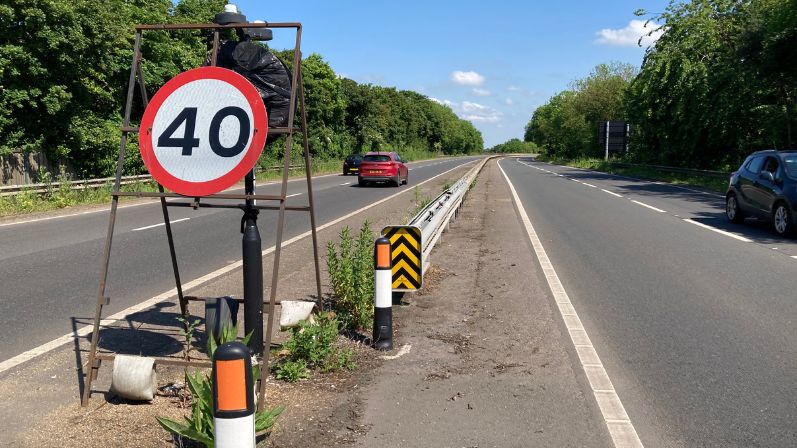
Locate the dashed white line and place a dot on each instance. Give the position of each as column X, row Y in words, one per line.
column 292, row 195
column 648, row 206
column 160, row 224
column 81, row 332
column 589, row 185
column 574, row 180
column 345, row 183
column 794, row 256
column 618, row 423
column 611, row 193
column 714, row 229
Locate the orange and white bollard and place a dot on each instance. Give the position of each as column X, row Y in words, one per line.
column 233, row 400
column 383, row 291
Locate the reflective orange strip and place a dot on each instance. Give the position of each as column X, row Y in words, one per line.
column 231, row 385
column 383, row 256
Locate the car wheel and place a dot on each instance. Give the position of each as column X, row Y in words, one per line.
column 732, row 210
column 397, row 180
column 781, row 219
column 361, row 182
column 407, row 179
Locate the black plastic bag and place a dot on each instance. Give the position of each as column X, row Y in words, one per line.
column 266, row 72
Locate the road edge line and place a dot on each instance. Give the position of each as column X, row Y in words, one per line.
column 618, row 423
column 84, row 331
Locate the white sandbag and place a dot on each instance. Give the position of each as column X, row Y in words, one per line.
column 294, row 311
column 134, row 377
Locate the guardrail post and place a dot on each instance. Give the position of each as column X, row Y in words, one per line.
column 383, row 290
column 233, row 397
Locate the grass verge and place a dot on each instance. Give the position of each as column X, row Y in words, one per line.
column 641, row 172
column 66, row 196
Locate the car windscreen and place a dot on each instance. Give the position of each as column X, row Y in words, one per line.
column 790, row 165
column 376, row 158
column 356, row 158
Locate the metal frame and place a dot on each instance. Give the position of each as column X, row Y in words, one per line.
column 297, row 93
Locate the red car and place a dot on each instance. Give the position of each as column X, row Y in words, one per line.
column 382, row 167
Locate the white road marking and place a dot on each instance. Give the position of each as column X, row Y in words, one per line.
column 574, row 180
column 648, row 206
column 617, row 421
column 346, row 183
column 120, row 207
column 714, row 229
column 612, row 193
column 794, row 256
column 292, row 195
column 402, row 351
column 589, row 185
column 105, row 209
column 82, row 332
column 158, row 225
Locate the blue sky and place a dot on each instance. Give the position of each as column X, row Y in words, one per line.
column 493, row 62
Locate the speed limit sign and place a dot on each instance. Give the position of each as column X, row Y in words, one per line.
column 203, row 131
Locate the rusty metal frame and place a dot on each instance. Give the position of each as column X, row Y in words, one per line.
column 95, row 359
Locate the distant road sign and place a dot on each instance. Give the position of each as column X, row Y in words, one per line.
column 405, row 252
column 203, row 131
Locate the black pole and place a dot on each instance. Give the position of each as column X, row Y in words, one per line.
column 253, row 270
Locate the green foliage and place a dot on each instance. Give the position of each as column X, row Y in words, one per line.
column 566, row 124
column 291, row 371
column 58, row 197
column 515, row 146
column 199, row 425
column 188, row 330
column 311, row 346
column 64, row 67
column 351, row 275
column 719, row 83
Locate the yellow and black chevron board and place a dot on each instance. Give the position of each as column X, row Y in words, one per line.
column 405, row 253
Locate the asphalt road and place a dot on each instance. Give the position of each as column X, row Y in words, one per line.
column 49, row 269
column 696, row 328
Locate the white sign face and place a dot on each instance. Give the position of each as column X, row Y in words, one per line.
column 203, row 131
column 232, row 133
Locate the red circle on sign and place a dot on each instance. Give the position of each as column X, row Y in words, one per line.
column 252, row 152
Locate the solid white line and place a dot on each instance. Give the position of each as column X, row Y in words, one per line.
column 158, row 225
column 617, row 421
column 648, row 206
column 612, row 193
column 589, row 185
column 292, row 195
column 81, row 332
column 713, row 229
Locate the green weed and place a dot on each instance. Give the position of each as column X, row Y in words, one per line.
column 199, row 426
column 312, row 346
column 351, row 275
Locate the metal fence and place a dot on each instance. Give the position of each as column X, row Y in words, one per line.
column 434, row 218
column 41, row 188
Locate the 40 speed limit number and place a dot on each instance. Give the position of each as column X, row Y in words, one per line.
column 203, row 131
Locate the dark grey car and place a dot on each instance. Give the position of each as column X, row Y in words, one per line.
column 765, row 186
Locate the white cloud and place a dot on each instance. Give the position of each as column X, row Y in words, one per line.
column 509, row 101
column 481, row 92
column 629, row 36
column 472, row 111
column 467, row 78
column 477, row 112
